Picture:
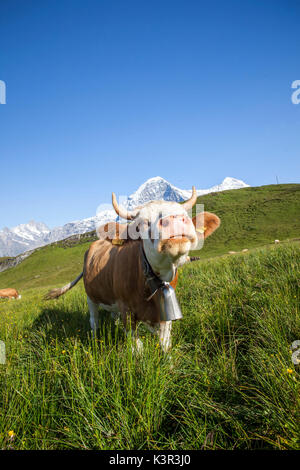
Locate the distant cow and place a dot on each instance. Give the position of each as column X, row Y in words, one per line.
column 9, row 294
column 122, row 266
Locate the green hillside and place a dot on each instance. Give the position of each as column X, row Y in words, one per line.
column 229, row 382
column 48, row 266
column 252, row 217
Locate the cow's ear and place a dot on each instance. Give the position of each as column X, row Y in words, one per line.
column 206, row 223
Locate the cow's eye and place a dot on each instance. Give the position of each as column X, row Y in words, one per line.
column 165, row 222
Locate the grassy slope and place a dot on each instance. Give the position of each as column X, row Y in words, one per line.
column 252, row 217
column 230, row 383
column 49, row 266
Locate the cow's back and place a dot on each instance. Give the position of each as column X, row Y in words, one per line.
column 98, row 272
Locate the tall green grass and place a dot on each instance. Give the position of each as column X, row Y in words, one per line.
column 229, row 382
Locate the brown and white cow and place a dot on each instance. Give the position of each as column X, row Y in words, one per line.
column 9, row 294
column 113, row 272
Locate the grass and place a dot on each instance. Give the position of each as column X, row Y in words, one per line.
column 252, row 217
column 228, row 384
column 48, row 266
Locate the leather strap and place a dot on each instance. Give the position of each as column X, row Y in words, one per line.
column 152, row 280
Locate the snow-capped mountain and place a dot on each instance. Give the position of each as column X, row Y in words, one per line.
column 34, row 234
column 81, row 226
column 159, row 189
column 22, row 238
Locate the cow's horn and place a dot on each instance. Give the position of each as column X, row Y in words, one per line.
column 192, row 201
column 122, row 212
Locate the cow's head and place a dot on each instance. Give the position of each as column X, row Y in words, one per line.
column 167, row 231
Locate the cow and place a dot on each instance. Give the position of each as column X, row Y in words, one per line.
column 9, row 294
column 116, row 267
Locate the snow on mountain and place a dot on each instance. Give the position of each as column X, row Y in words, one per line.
column 30, row 231
column 158, row 188
column 34, row 234
column 81, row 226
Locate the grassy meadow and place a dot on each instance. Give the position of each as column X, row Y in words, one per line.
column 252, row 217
column 229, row 382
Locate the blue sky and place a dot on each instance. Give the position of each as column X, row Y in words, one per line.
column 102, row 95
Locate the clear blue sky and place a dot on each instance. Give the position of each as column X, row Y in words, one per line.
column 103, row 94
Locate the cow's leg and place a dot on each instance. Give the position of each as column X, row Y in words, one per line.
column 165, row 328
column 94, row 315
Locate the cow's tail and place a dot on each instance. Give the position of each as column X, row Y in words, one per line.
column 55, row 293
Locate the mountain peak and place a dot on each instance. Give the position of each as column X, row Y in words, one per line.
column 154, row 189
column 158, row 188
column 32, row 223
column 25, row 237
column 234, row 183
